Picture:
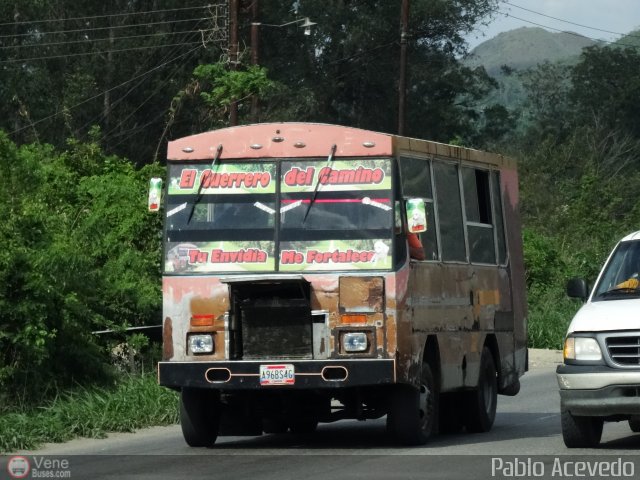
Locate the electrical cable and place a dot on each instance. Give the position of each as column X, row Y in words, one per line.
column 568, row 21
column 96, row 53
column 148, row 12
column 108, row 90
column 95, row 29
column 104, row 39
column 617, row 42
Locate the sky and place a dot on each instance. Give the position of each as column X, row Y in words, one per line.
column 607, row 19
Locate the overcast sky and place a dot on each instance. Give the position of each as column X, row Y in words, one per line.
column 603, row 16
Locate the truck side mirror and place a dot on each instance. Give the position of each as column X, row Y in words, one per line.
column 577, row 288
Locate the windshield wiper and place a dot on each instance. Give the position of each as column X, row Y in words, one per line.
column 315, row 190
column 199, row 195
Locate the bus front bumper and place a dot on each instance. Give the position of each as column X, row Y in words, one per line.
column 248, row 375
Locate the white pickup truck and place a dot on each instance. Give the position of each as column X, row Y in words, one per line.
column 600, row 378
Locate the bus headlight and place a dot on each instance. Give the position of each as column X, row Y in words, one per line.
column 201, row 343
column 355, row 342
column 585, row 349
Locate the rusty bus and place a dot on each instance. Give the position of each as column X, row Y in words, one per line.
column 290, row 296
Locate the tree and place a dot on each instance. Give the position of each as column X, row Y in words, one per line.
column 606, row 89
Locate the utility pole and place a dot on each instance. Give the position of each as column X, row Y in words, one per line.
column 255, row 46
column 402, row 81
column 233, row 54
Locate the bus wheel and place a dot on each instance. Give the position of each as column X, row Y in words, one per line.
column 481, row 402
column 634, row 423
column 451, row 408
column 199, row 416
column 413, row 413
column 580, row 432
column 303, row 425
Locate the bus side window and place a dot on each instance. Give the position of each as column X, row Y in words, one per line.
column 449, row 208
column 479, row 217
column 416, row 183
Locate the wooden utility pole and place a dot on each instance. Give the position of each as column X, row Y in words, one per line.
column 233, row 54
column 255, row 46
column 402, row 81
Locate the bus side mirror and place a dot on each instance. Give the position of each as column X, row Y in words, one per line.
column 155, row 194
column 416, row 215
column 577, row 288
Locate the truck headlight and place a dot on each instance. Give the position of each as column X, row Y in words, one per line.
column 582, row 349
column 201, row 343
column 355, row 342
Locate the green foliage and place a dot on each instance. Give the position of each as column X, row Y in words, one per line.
column 81, row 253
column 134, row 402
column 222, row 86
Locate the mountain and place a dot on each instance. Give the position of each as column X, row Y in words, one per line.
column 520, row 50
column 526, row 47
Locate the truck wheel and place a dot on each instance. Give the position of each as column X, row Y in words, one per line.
column 413, row 413
column 481, row 403
column 634, row 423
column 199, row 416
column 580, row 432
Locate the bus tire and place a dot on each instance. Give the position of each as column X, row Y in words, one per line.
column 580, row 432
column 451, row 408
column 413, row 413
column 303, row 425
column 199, row 416
column 634, row 423
column 481, row 403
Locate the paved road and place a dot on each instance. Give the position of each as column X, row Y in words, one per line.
column 526, row 425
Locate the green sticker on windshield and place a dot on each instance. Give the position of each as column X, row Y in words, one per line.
column 335, row 255
column 303, row 176
column 222, row 179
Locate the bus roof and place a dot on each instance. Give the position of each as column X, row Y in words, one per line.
column 282, row 140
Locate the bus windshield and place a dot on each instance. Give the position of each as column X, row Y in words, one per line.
column 292, row 215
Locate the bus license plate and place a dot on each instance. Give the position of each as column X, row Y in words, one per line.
column 277, row 374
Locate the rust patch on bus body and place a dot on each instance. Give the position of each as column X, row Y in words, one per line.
column 361, row 294
column 167, row 339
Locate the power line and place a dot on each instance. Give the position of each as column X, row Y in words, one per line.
column 103, row 16
column 108, row 90
column 167, row 79
column 95, row 29
column 567, row 32
column 97, row 53
column 567, row 21
column 105, row 39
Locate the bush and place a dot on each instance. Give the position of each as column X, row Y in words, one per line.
column 80, row 253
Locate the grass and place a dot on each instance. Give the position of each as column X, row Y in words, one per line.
column 549, row 316
column 135, row 402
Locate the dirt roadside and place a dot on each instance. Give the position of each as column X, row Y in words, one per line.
column 540, row 358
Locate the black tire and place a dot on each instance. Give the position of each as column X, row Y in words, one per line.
column 451, row 418
column 413, row 413
column 481, row 403
column 303, row 425
column 199, row 416
column 634, row 424
column 274, row 425
column 580, row 432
